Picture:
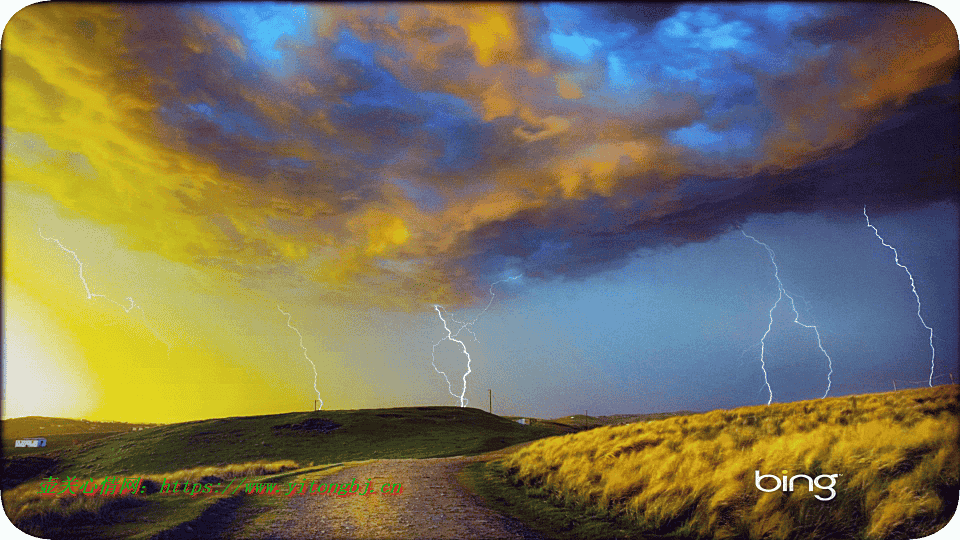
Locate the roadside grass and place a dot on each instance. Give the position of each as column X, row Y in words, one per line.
column 157, row 516
column 543, row 512
column 150, row 512
column 693, row 476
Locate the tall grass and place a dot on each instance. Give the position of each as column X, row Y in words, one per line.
column 896, row 453
column 31, row 511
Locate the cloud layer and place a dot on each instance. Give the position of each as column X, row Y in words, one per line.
column 399, row 155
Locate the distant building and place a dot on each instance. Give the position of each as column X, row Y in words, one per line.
column 31, row 442
column 524, row 421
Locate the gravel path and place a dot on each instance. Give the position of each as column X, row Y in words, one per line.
column 433, row 505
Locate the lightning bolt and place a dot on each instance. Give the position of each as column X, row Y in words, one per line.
column 796, row 319
column 913, row 286
column 433, row 355
column 452, row 336
column 92, row 295
column 290, row 326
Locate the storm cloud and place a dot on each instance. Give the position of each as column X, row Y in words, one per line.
column 398, row 155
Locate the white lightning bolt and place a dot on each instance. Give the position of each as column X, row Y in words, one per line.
column 304, row 354
column 91, row 295
column 913, row 286
column 452, row 336
column 783, row 292
column 796, row 319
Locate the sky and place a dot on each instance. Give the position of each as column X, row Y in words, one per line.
column 215, row 210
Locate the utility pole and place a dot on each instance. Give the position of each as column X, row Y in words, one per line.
column 490, row 393
column 585, row 413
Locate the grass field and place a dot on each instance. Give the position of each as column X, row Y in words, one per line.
column 406, row 432
column 59, row 432
column 257, row 447
column 127, row 516
column 694, row 476
column 538, row 510
column 54, row 442
column 44, row 426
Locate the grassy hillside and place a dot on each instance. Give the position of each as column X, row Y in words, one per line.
column 309, row 444
column 308, row 437
column 45, row 426
column 59, row 432
column 694, row 476
column 561, row 427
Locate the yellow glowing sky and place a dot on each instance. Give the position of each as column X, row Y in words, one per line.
column 92, row 359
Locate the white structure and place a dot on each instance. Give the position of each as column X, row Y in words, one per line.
column 32, row 442
column 524, row 421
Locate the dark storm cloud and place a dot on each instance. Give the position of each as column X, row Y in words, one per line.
column 910, row 161
column 848, row 23
column 639, row 14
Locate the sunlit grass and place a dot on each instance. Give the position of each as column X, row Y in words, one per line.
column 694, row 475
column 32, row 511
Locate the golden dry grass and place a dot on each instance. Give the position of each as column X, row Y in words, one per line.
column 694, row 475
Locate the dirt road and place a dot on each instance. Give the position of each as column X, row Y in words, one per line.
column 433, row 505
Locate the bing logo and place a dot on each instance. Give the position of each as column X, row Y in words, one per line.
column 788, row 485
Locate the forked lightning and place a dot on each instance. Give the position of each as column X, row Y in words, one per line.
column 452, row 336
column 783, row 292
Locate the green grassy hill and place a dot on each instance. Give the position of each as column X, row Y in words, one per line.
column 308, row 437
column 266, row 447
column 44, row 426
column 60, row 433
